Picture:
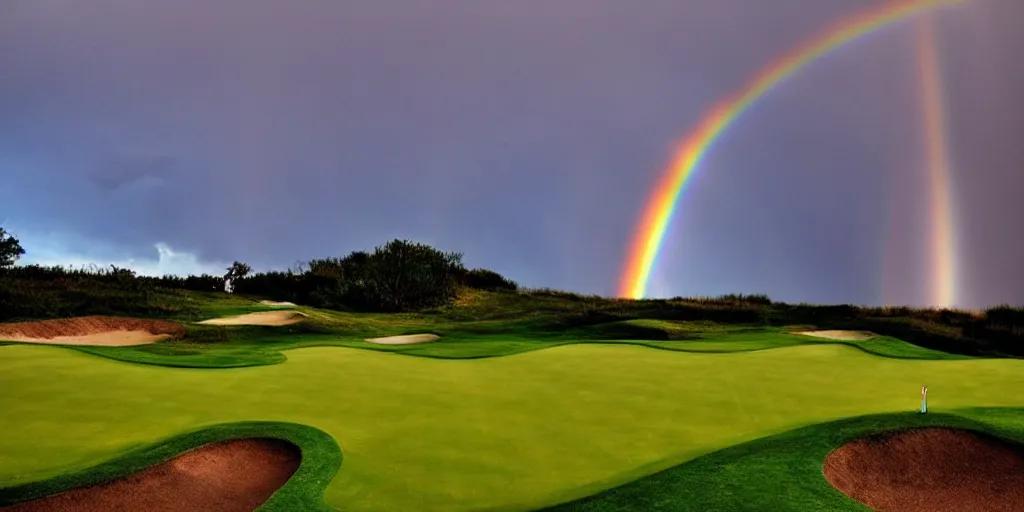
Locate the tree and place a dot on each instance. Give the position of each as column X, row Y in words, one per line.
column 406, row 276
column 483, row 279
column 10, row 249
column 236, row 271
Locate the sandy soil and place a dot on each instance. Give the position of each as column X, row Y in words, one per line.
column 930, row 470
column 91, row 330
column 840, row 335
column 280, row 304
column 407, row 339
column 271, row 318
column 228, row 476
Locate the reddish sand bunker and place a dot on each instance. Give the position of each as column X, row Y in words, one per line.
column 91, row 330
column 230, row 476
column 930, row 470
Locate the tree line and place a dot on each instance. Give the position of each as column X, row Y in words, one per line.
column 399, row 276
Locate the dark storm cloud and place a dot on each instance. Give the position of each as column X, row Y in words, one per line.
column 525, row 134
column 123, row 170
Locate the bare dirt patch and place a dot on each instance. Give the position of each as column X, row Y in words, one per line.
column 277, row 304
column 230, row 476
column 108, row 331
column 270, row 318
column 407, row 339
column 840, row 335
column 930, row 470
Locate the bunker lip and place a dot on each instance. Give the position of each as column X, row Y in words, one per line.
column 277, row 303
column 407, row 339
column 108, row 331
column 840, row 335
column 930, row 470
column 230, row 476
column 267, row 318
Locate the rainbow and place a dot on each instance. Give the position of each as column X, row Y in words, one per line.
column 650, row 232
column 943, row 246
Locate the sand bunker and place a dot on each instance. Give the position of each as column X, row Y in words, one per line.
column 106, row 331
column 930, row 470
column 840, row 335
column 407, row 339
column 271, row 318
column 226, row 476
column 277, row 304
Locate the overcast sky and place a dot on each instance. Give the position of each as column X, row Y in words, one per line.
column 181, row 135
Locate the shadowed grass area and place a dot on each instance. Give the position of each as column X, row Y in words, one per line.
column 321, row 458
column 780, row 473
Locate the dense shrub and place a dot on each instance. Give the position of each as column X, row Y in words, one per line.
column 274, row 285
column 488, row 280
column 398, row 276
column 1006, row 315
column 404, row 276
column 31, row 292
column 203, row 283
column 757, row 298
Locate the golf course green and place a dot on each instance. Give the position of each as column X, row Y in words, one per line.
column 499, row 428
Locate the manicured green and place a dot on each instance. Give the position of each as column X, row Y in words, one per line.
column 503, row 433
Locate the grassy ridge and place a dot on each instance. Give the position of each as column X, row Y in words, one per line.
column 321, row 458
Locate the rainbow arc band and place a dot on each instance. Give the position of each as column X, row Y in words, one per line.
column 663, row 202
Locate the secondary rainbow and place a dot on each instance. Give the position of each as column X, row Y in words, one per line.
column 942, row 274
column 657, row 215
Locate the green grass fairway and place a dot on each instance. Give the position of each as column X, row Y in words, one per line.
column 520, row 432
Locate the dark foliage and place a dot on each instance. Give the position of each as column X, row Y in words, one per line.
column 398, row 276
column 488, row 280
column 10, row 249
column 203, row 283
column 32, row 292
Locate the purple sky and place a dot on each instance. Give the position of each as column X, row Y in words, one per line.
column 180, row 135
